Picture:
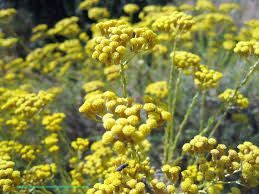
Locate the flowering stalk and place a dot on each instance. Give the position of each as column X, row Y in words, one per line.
column 168, row 131
column 202, row 109
column 250, row 73
column 177, row 86
column 123, row 80
column 186, row 117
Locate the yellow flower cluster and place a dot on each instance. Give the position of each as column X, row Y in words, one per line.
column 116, row 35
column 39, row 32
column 52, row 122
column 19, row 125
column 227, row 7
column 97, row 13
column 244, row 48
column 99, row 161
column 67, row 27
column 26, row 104
column 130, row 8
column 238, row 99
column 86, row 4
column 159, row 49
column 26, row 152
column 249, row 154
column 8, row 42
column 113, row 72
column 9, row 178
column 39, row 175
column 51, row 142
column 204, row 5
column 186, row 7
column 205, row 22
column 175, row 21
column 7, row 13
column 158, row 89
column 92, row 86
column 184, row 60
column 126, row 179
column 199, row 145
column 206, row 78
column 80, row 144
column 222, row 164
column 123, row 129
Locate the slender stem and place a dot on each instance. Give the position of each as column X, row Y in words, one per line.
column 218, row 123
column 212, row 119
column 169, row 102
column 123, row 80
column 177, row 86
column 64, row 139
column 203, row 98
column 186, row 117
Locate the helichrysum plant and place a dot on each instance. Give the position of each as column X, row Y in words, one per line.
column 163, row 104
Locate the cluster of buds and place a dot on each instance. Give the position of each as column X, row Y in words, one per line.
column 206, row 78
column 116, row 36
column 184, row 60
column 238, row 99
column 52, row 122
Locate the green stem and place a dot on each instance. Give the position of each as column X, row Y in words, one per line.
column 169, row 102
column 177, row 86
column 202, row 109
column 64, row 139
column 212, row 119
column 186, row 117
column 123, row 80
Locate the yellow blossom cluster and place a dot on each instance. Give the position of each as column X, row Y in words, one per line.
column 130, row 8
column 51, row 142
column 206, row 78
column 86, row 4
column 52, row 122
column 113, row 72
column 67, row 27
column 116, row 35
column 97, row 13
column 160, row 49
column 93, row 85
column 204, row 5
column 97, row 162
column 158, row 89
column 26, row 152
column 249, row 154
column 227, row 7
column 39, row 31
column 238, row 99
column 25, row 104
column 121, row 123
column 223, row 162
column 246, row 48
column 7, row 13
column 80, row 144
column 38, row 175
column 19, row 125
column 8, row 42
column 183, row 59
column 175, row 21
column 126, row 176
column 9, row 178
